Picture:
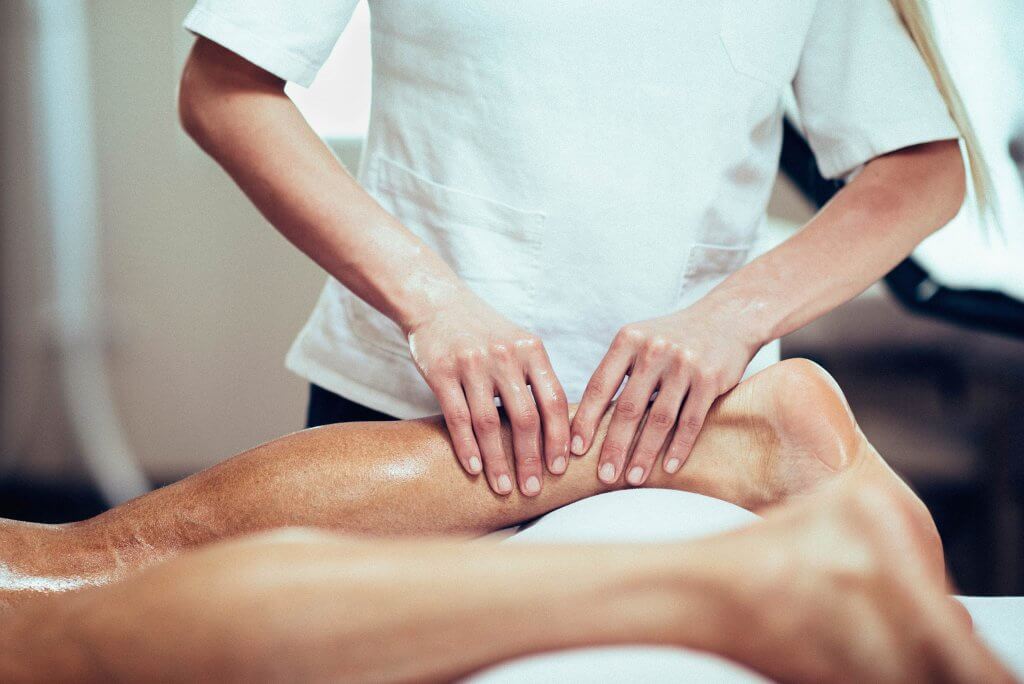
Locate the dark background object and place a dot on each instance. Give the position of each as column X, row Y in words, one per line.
column 911, row 284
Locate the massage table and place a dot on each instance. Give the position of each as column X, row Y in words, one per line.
column 658, row 515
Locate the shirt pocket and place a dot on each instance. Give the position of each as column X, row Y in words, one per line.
column 763, row 40
column 493, row 247
column 707, row 266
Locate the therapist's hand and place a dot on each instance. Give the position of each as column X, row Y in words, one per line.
column 690, row 358
column 469, row 353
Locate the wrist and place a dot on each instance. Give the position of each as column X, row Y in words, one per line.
column 423, row 295
column 746, row 319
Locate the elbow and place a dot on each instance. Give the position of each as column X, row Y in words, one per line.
column 925, row 188
column 949, row 181
column 190, row 102
column 921, row 187
column 216, row 87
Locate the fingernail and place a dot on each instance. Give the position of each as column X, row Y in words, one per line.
column 607, row 473
column 636, row 475
column 558, row 465
column 672, row 465
column 474, row 465
column 577, row 445
column 532, row 485
column 504, row 484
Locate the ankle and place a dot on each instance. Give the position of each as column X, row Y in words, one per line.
column 704, row 586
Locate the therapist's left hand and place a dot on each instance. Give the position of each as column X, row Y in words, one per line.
column 690, row 358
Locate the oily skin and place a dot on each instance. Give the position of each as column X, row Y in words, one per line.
column 240, row 115
column 778, row 436
column 468, row 353
column 838, row 586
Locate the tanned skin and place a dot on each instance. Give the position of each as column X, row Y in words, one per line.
column 843, row 581
column 840, row 586
column 781, row 434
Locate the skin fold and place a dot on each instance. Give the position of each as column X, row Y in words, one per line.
column 780, row 435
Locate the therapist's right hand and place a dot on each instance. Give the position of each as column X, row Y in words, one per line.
column 469, row 353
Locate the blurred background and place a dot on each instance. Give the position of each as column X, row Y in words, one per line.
column 145, row 306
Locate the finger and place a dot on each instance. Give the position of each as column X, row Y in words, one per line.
column 654, row 433
column 691, row 419
column 487, row 427
column 603, row 385
column 460, row 428
column 524, row 419
column 629, row 409
column 554, row 412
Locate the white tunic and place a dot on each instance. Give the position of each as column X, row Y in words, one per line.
column 582, row 165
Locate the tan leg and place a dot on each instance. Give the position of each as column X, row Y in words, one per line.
column 783, row 433
column 837, row 587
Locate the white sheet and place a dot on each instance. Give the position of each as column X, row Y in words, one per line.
column 654, row 515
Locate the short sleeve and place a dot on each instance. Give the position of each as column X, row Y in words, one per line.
column 289, row 38
column 862, row 88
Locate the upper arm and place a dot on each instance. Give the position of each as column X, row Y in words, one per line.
column 254, row 46
column 927, row 181
column 212, row 67
column 212, row 71
column 863, row 89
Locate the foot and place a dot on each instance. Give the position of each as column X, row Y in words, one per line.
column 784, row 434
column 843, row 588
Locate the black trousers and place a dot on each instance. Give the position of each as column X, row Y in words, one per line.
column 326, row 407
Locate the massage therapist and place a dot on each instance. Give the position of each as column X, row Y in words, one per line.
column 556, row 196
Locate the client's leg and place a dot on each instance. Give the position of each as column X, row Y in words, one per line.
column 781, row 433
column 837, row 589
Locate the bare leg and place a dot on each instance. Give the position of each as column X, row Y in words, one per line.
column 784, row 433
column 837, row 588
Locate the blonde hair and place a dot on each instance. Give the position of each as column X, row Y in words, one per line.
column 917, row 19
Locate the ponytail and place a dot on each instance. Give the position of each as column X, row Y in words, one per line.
column 918, row 21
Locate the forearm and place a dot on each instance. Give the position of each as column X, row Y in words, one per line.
column 240, row 115
column 399, row 611
column 868, row 228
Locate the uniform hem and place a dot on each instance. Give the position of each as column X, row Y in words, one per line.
column 852, row 155
column 355, row 391
column 250, row 46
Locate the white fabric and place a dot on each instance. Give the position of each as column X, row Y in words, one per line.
column 999, row 621
column 582, row 165
column 981, row 44
column 652, row 515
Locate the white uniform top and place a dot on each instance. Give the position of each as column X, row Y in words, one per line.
column 582, row 165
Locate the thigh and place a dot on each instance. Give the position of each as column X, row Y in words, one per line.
column 326, row 408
